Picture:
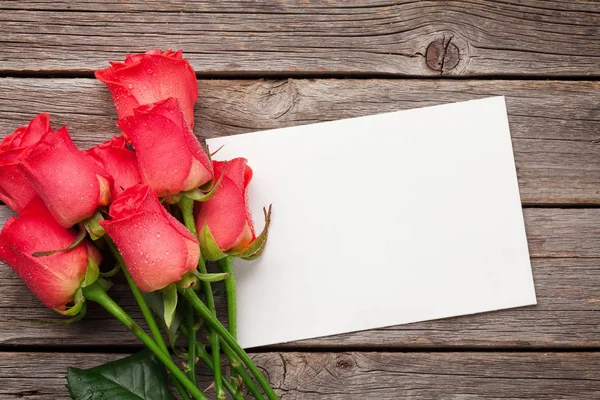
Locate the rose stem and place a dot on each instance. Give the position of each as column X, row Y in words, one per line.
column 187, row 210
column 205, row 313
column 226, row 265
column 237, row 366
column 191, row 344
column 205, row 357
column 95, row 292
column 150, row 321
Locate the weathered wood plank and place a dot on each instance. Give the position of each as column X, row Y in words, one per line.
column 555, row 125
column 358, row 375
column 475, row 38
column 564, row 244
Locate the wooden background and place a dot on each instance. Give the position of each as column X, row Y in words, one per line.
column 267, row 64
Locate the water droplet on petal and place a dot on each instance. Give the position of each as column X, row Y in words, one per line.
column 130, row 86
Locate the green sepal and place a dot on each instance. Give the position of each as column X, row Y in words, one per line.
column 92, row 273
column 171, row 198
column 218, row 277
column 198, row 195
column 211, row 155
column 72, row 311
column 169, row 303
column 81, row 311
column 76, row 242
column 155, row 302
column 93, row 227
column 208, row 245
column 188, row 280
column 112, row 272
column 257, row 246
column 77, row 311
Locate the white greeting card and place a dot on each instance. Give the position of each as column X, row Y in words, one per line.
column 382, row 220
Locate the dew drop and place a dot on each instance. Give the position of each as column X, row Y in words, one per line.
column 130, row 86
column 150, row 71
column 158, row 235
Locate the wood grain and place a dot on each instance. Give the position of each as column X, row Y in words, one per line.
column 318, row 37
column 356, row 375
column 565, row 249
column 555, row 125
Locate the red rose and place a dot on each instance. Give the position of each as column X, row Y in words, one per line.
column 151, row 77
column 15, row 189
column 157, row 249
column 226, row 214
column 53, row 279
column 169, row 156
column 69, row 182
column 119, row 162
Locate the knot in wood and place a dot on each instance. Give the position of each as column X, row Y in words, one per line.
column 442, row 55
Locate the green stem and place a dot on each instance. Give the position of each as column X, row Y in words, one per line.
column 226, row 265
column 237, row 366
column 150, row 321
column 205, row 357
column 187, row 210
column 191, row 344
column 186, row 205
column 95, row 292
column 214, row 323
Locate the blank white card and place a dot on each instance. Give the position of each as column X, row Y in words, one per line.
column 382, row 220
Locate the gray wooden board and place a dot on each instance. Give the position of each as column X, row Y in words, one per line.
column 319, row 37
column 565, row 249
column 357, row 375
column 554, row 125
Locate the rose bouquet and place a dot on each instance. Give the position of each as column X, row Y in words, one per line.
column 156, row 203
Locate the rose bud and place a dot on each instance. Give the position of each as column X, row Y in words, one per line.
column 119, row 162
column 151, row 77
column 224, row 221
column 156, row 248
column 70, row 183
column 15, row 189
column 54, row 279
column 170, row 158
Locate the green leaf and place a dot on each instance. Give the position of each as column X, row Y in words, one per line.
column 137, row 377
column 169, row 303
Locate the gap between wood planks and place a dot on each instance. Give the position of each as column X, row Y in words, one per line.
column 246, row 76
column 129, row 349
